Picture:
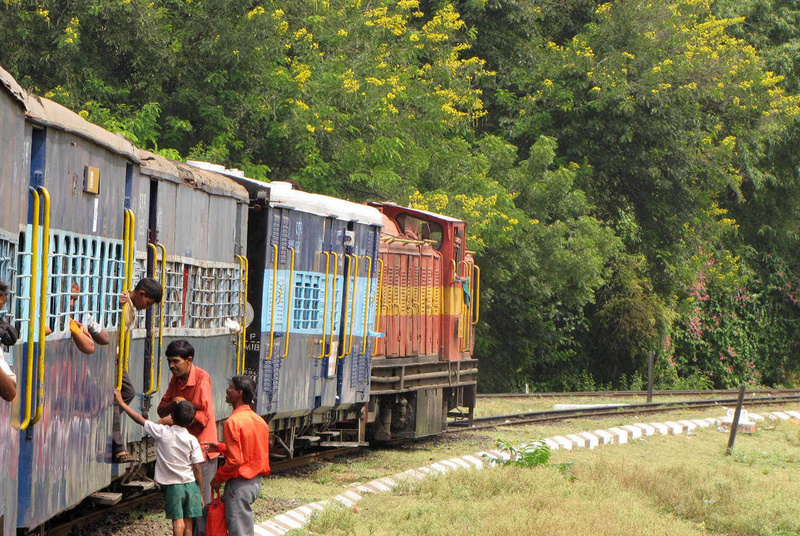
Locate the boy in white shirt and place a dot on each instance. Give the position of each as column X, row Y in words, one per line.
column 8, row 337
column 178, row 459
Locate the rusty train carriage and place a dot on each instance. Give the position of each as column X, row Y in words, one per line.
column 356, row 321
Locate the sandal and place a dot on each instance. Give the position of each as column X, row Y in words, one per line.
column 122, row 457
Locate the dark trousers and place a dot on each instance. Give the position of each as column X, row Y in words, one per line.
column 128, row 394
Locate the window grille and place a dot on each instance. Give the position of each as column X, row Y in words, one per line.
column 307, row 308
column 8, row 271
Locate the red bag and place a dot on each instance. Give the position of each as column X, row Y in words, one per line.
column 215, row 522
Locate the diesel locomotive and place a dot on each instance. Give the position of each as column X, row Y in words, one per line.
column 356, row 321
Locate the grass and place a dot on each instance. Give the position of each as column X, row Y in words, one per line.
column 681, row 485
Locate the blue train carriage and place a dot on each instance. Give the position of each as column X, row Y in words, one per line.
column 60, row 225
column 14, row 181
column 190, row 235
column 312, row 287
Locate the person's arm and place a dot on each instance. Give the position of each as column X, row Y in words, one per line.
column 167, row 403
column 198, row 476
column 233, row 455
column 96, row 331
column 201, row 415
column 138, row 419
column 81, row 337
column 8, row 387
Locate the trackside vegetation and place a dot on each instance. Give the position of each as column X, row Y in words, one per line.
column 680, row 485
column 628, row 168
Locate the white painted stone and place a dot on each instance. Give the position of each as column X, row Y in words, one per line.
column 305, row 509
column 563, row 442
column 794, row 414
column 592, row 441
column 661, row 427
column 605, row 437
column 688, row 425
column 283, row 519
column 552, row 444
column 450, row 465
column 474, row 460
column 577, row 440
column 388, row 481
column 297, row 516
column 755, row 417
column 461, row 463
column 635, row 431
column 781, row 415
column 620, row 435
column 674, row 428
column 342, row 499
column 702, row 423
column 438, row 467
column 261, row 531
column 380, row 486
column 272, row 528
column 645, row 428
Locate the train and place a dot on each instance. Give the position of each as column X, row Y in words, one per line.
column 356, row 321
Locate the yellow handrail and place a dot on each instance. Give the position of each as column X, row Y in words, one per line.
column 477, row 296
column 131, row 262
column 244, row 309
column 289, row 308
column 125, row 291
column 161, row 312
column 325, row 302
column 353, row 303
column 346, row 311
column 32, row 310
column 379, row 301
column 239, row 345
column 454, row 269
column 43, row 301
column 152, row 248
column 333, row 307
column 275, row 259
column 366, row 305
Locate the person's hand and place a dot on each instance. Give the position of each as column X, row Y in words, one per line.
column 125, row 298
column 118, row 396
column 166, row 421
column 215, row 485
column 178, row 399
column 209, row 446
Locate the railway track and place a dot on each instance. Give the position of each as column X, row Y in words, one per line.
column 621, row 409
column 619, row 394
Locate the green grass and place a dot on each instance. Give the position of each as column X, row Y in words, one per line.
column 681, row 485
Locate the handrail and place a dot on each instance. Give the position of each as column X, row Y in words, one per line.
column 379, row 302
column 43, row 301
column 289, row 308
column 32, row 310
column 346, row 312
column 466, row 310
column 353, row 303
column 131, row 261
column 275, row 260
column 333, row 301
column 454, row 270
column 239, row 345
column 366, row 305
column 244, row 309
column 477, row 270
column 125, row 290
column 152, row 248
column 325, row 302
column 163, row 279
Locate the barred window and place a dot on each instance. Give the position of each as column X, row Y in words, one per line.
column 307, row 306
column 8, row 271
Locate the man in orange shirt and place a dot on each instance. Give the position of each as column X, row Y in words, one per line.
column 246, row 451
column 190, row 382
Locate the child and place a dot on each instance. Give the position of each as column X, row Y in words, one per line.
column 178, row 459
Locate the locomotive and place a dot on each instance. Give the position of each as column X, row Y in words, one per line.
column 356, row 321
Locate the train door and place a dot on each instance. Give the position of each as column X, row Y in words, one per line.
column 332, row 259
column 360, row 288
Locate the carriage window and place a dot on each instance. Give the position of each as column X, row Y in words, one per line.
column 425, row 230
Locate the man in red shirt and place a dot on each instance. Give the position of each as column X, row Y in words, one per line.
column 190, row 382
column 246, row 451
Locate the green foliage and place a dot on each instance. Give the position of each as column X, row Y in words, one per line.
column 628, row 169
column 531, row 454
